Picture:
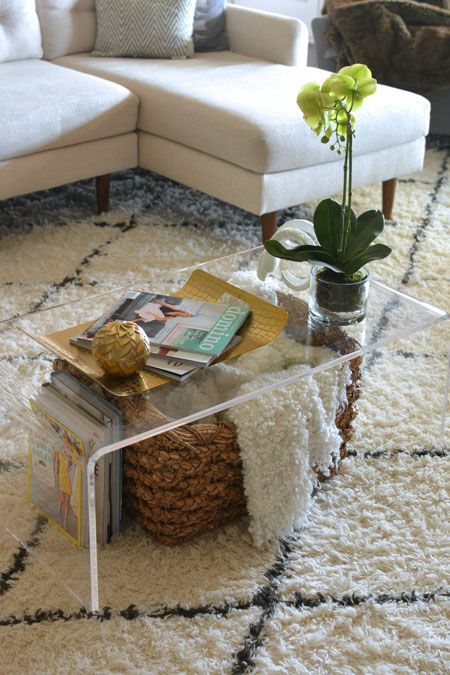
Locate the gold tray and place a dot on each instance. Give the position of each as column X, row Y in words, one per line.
column 265, row 324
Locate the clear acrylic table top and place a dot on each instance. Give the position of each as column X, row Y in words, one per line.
column 391, row 315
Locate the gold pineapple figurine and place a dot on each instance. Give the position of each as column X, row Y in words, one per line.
column 121, row 348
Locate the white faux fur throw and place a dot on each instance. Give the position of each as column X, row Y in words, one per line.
column 284, row 434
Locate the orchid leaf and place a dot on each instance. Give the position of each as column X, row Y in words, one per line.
column 375, row 252
column 278, row 250
column 366, row 229
column 328, row 225
column 315, row 255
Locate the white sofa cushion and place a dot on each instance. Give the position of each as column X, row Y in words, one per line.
column 44, row 106
column 244, row 111
column 67, row 26
column 20, row 33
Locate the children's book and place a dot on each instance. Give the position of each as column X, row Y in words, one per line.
column 95, row 404
column 56, row 457
column 194, row 326
column 62, row 438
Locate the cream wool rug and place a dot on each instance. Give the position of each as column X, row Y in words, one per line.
column 363, row 588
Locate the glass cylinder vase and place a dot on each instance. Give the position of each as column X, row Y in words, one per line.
column 333, row 300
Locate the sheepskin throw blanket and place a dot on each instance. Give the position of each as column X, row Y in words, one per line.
column 405, row 43
column 295, row 431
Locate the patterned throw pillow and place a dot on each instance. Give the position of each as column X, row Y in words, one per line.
column 159, row 29
column 209, row 26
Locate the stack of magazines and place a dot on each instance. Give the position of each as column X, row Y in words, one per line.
column 184, row 334
column 71, row 421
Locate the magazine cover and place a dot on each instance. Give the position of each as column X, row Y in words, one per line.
column 90, row 401
column 188, row 358
column 179, row 323
column 55, row 464
column 170, row 367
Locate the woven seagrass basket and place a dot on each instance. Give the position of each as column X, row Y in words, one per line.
column 189, row 481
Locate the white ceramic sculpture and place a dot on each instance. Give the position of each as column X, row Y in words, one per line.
column 300, row 231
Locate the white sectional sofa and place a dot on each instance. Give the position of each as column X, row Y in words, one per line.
column 225, row 123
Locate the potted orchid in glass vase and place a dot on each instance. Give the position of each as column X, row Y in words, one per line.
column 343, row 243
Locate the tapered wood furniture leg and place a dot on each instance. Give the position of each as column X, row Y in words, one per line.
column 102, row 184
column 388, row 197
column 268, row 225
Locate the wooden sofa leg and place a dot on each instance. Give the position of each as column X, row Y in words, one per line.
column 268, row 225
column 102, row 184
column 388, row 197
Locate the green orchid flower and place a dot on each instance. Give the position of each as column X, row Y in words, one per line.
column 352, row 84
column 314, row 104
column 345, row 241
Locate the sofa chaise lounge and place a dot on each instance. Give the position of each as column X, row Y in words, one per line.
column 225, row 123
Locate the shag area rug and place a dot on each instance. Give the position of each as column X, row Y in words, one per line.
column 363, row 588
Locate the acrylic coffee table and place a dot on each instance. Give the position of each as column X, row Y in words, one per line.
column 391, row 316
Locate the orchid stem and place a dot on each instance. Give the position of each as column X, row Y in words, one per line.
column 344, row 197
column 348, row 223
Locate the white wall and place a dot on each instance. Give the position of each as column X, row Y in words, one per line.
column 305, row 10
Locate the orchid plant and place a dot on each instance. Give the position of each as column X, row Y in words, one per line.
column 345, row 241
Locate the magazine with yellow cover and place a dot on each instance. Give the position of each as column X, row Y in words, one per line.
column 56, row 458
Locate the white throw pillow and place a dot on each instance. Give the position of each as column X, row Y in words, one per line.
column 20, row 33
column 159, row 29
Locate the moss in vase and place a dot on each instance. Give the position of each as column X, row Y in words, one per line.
column 338, row 278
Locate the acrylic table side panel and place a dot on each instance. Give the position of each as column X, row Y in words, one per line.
column 52, row 565
column 414, row 337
